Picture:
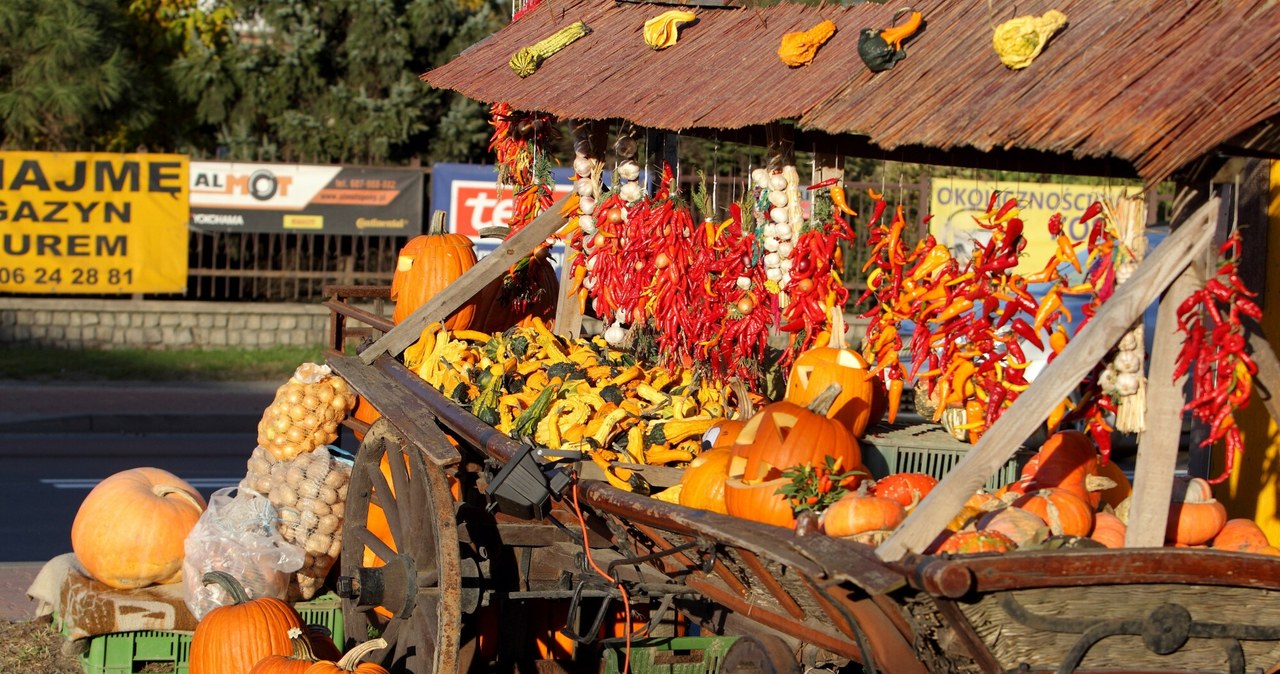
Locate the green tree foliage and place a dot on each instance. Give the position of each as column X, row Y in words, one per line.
column 337, row 80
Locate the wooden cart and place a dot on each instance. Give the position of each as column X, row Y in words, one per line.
column 520, row 527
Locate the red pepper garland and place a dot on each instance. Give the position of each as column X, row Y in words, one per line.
column 1222, row 376
column 815, row 287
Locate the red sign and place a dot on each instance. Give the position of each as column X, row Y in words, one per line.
column 477, row 205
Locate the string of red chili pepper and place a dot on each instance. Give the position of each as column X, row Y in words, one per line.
column 1222, row 377
column 882, row 342
column 519, row 139
column 814, row 286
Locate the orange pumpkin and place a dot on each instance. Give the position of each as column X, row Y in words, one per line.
column 816, row 369
column 972, row 542
column 130, row 530
column 366, row 413
column 861, row 512
column 1065, row 512
column 1194, row 516
column 879, row 401
column 1242, row 535
column 759, row 502
column 1066, row 460
column 1108, row 530
column 231, row 639
column 905, row 488
column 1114, row 496
column 703, row 480
column 427, row 265
column 1023, row 527
column 784, row 434
column 351, row 661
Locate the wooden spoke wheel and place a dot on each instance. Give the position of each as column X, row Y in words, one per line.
column 401, row 569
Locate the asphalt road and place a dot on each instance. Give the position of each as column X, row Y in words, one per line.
column 46, row 476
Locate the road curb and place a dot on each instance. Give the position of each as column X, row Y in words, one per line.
column 134, row 424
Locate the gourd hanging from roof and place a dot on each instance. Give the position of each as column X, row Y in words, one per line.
column 1018, row 41
column 662, row 31
column 799, row 48
column 882, row 49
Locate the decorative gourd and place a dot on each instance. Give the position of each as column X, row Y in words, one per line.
column 232, row 639
column 429, row 264
column 351, row 661
column 130, row 530
column 785, row 434
column 974, row 507
column 1064, row 511
column 816, row 369
column 1108, row 530
column 759, row 502
column 702, row 485
column 295, row 663
column 860, row 512
column 1241, row 535
column 972, row 542
column 1194, row 516
column 1191, row 489
column 1023, row 527
column 906, row 488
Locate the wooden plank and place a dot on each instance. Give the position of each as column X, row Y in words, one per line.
column 399, row 407
column 568, row 315
column 472, row 281
column 1057, row 380
column 1158, row 445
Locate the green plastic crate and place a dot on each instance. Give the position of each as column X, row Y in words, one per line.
column 130, row 652
column 927, row 448
column 673, row 655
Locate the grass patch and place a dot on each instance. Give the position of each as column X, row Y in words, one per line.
column 273, row 364
column 34, row 647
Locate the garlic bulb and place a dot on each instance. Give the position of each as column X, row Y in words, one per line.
column 585, row 188
column 630, row 192
column 783, row 231
column 744, row 282
column 785, row 248
column 778, row 216
column 773, row 273
column 760, row 177
column 777, row 182
column 587, row 204
column 772, row 260
column 1127, row 361
column 777, row 198
column 614, row 334
column 771, row 244
column 583, row 166
column 628, row 170
column 1127, row 383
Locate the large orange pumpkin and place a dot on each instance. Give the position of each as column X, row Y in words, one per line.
column 130, row 529
column 231, row 639
column 909, row 489
column 1241, row 535
column 351, row 661
column 784, row 434
column 1114, row 496
column 428, row 264
column 816, row 369
column 1066, row 460
column 703, row 480
column 297, row 662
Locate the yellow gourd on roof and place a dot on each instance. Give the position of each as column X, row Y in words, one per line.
column 1018, row 41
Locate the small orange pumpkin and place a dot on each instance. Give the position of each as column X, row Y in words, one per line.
column 703, row 480
column 860, row 512
column 1242, row 535
column 231, row 639
column 906, row 488
column 1114, row 496
column 816, row 369
column 1065, row 511
column 759, row 502
column 427, row 265
column 1108, row 530
column 1066, row 460
column 1194, row 516
column 1023, row 527
column 130, row 530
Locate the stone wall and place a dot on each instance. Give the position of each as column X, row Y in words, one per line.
column 158, row 325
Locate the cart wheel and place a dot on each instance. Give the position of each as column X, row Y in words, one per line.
column 419, row 585
column 761, row 653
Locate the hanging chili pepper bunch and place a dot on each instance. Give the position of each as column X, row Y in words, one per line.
column 888, row 256
column 814, row 286
column 1097, row 398
column 1214, row 352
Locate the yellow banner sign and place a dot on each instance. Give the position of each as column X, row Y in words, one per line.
column 955, row 202
column 80, row 222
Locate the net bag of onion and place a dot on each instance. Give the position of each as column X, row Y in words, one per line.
column 310, row 493
column 306, row 412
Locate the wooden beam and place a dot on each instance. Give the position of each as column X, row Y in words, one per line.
column 471, row 282
column 1158, row 444
column 1057, row 380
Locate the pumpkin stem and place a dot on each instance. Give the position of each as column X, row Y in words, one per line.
column 228, row 583
column 438, row 223
column 746, row 408
column 302, row 648
column 822, row 403
column 164, row 490
column 352, row 658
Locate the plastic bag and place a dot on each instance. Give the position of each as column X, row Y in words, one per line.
column 310, row 494
column 238, row 534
